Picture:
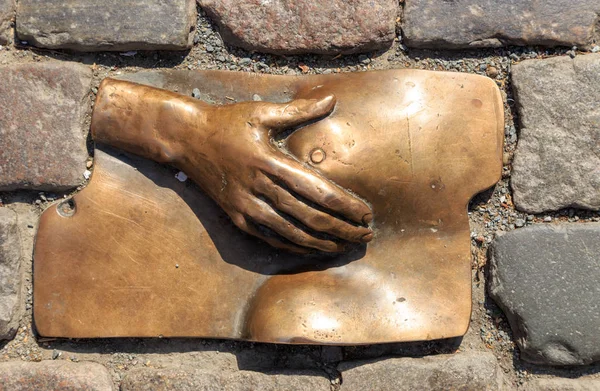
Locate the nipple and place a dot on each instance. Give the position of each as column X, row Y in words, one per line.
column 317, row 155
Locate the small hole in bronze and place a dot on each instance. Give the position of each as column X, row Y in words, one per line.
column 66, row 208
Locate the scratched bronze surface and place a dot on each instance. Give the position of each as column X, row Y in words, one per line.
column 139, row 254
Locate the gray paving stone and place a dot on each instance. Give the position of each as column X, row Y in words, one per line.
column 107, row 25
column 42, row 141
column 545, row 279
column 461, row 371
column 10, row 274
column 305, row 26
column 451, row 24
column 557, row 161
column 562, row 385
column 7, row 13
column 193, row 379
column 54, row 375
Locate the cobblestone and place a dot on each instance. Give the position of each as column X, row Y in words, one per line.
column 557, row 164
column 7, row 12
column 461, row 371
column 10, row 276
column 545, row 278
column 563, row 385
column 489, row 23
column 107, row 25
column 191, row 379
column 305, row 26
column 55, row 376
column 43, row 111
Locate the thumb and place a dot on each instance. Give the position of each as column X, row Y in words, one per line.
column 279, row 116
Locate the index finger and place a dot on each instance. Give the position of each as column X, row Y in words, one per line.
column 285, row 115
column 319, row 190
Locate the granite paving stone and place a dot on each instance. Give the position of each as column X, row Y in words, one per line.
column 557, row 161
column 121, row 25
column 192, row 379
column 54, row 375
column 461, row 371
column 7, row 13
column 305, row 26
column 452, row 24
column 10, row 274
column 545, row 279
column 42, row 139
column 557, row 384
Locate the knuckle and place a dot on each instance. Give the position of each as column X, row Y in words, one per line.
column 239, row 221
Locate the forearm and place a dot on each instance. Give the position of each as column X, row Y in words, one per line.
column 147, row 121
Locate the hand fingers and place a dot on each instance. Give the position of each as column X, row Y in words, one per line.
column 285, row 115
column 241, row 223
column 312, row 218
column 311, row 186
column 263, row 214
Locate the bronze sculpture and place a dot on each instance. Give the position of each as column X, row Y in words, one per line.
column 146, row 256
column 227, row 151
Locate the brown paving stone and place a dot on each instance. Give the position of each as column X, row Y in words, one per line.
column 107, row 25
column 10, row 276
column 563, row 385
column 447, row 24
column 461, row 371
column 305, row 26
column 55, row 376
column 557, row 161
column 42, row 141
column 192, row 379
column 7, row 12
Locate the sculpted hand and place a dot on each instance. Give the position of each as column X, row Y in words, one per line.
column 228, row 151
column 255, row 182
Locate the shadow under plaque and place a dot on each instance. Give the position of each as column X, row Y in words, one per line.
column 139, row 254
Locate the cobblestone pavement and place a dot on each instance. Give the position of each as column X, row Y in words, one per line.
column 486, row 358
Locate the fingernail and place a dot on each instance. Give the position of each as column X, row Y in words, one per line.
column 367, row 218
column 327, row 101
column 367, row 238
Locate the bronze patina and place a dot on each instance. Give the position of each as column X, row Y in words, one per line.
column 366, row 175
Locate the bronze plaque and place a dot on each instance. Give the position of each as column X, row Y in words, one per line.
column 138, row 253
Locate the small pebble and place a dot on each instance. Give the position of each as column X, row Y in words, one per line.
column 519, row 223
column 547, row 219
column 492, row 72
column 181, row 177
column 196, row 93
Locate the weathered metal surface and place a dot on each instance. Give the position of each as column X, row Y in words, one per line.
column 144, row 255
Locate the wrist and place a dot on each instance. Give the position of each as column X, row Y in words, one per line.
column 146, row 121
